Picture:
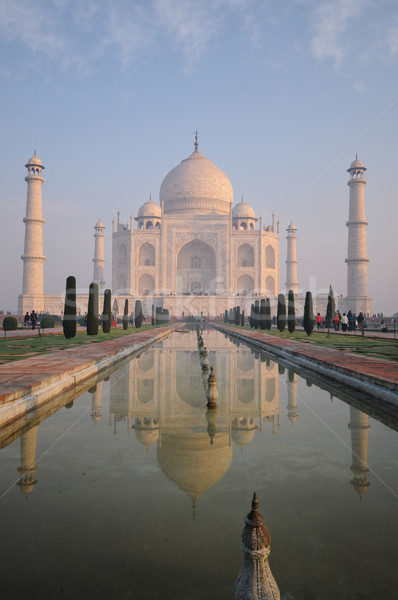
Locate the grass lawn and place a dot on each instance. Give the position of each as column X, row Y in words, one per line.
column 24, row 347
column 376, row 347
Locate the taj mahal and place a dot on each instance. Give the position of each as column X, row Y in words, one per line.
column 195, row 252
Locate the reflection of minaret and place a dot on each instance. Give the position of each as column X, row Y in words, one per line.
column 96, row 405
column 33, row 259
column 243, row 430
column 291, row 262
column 146, row 430
column 255, row 580
column 359, row 446
column 292, row 396
column 28, row 468
column 99, row 255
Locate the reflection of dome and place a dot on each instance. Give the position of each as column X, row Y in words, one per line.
column 150, row 209
column 146, row 430
column 243, row 430
column 242, row 210
column 192, row 463
column 196, row 184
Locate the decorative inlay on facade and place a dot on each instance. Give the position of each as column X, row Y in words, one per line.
column 187, row 236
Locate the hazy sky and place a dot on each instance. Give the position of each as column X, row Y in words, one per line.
column 283, row 93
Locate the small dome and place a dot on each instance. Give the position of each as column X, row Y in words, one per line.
column 357, row 164
column 291, row 227
column 34, row 161
column 99, row 225
column 243, row 211
column 150, row 209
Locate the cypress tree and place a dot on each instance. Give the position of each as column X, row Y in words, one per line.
column 126, row 315
column 69, row 320
column 308, row 314
column 256, row 314
column 138, row 313
column 153, row 319
column 281, row 313
column 291, row 314
column 225, row 316
column 251, row 318
column 268, row 320
column 330, row 309
column 107, row 312
column 262, row 313
column 242, row 319
column 92, row 310
column 237, row 315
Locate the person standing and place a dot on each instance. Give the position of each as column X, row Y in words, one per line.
column 33, row 319
column 361, row 322
column 350, row 321
column 336, row 322
column 26, row 320
column 344, row 322
column 318, row 320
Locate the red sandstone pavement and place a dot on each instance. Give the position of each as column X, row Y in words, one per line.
column 377, row 368
column 23, row 374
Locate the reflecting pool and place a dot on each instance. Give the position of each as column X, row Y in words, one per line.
column 133, row 490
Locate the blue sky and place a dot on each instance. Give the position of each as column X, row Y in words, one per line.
column 283, row 93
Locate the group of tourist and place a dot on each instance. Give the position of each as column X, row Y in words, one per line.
column 30, row 320
column 348, row 322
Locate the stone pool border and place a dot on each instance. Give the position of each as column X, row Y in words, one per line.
column 28, row 384
column 373, row 376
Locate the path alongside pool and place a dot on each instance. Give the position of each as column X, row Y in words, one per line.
column 29, row 383
column 374, row 376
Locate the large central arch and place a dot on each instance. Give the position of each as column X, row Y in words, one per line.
column 196, row 268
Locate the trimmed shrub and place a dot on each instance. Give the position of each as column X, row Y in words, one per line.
column 268, row 320
column 251, row 318
column 10, row 324
column 242, row 319
column 237, row 315
column 92, row 310
column 291, row 313
column 331, row 308
column 225, row 316
column 47, row 322
column 139, row 317
column 308, row 322
column 107, row 312
column 153, row 318
column 281, row 313
column 256, row 314
column 126, row 315
column 69, row 320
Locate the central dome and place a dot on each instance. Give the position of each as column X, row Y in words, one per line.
column 196, row 184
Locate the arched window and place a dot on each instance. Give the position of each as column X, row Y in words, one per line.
column 243, row 225
column 149, row 225
column 270, row 257
column 146, row 284
column 196, row 262
column 146, row 255
column 122, row 255
column 245, row 256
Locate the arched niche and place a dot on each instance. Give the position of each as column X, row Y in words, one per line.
column 245, row 361
column 270, row 257
column 245, row 390
column 245, row 285
column 121, row 283
column 145, row 390
column 146, row 255
column 270, row 389
column 146, row 361
column 149, row 225
column 196, row 268
column 245, row 256
column 122, row 255
column 146, row 284
column 270, row 286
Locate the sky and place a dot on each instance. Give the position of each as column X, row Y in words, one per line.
column 283, row 93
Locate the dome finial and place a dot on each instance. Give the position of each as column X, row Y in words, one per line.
column 241, row 198
column 356, row 155
column 196, row 140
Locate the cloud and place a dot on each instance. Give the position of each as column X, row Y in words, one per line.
column 359, row 87
column 130, row 28
column 331, row 21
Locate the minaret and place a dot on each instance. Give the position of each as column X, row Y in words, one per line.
column 33, row 259
column 291, row 262
column 357, row 298
column 359, row 426
column 255, row 580
column 99, row 255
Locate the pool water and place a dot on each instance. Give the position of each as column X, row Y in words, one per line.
column 134, row 490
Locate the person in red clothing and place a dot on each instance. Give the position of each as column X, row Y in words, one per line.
column 336, row 321
column 318, row 320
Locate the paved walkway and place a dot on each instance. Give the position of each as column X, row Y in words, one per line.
column 364, row 372
column 25, row 383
